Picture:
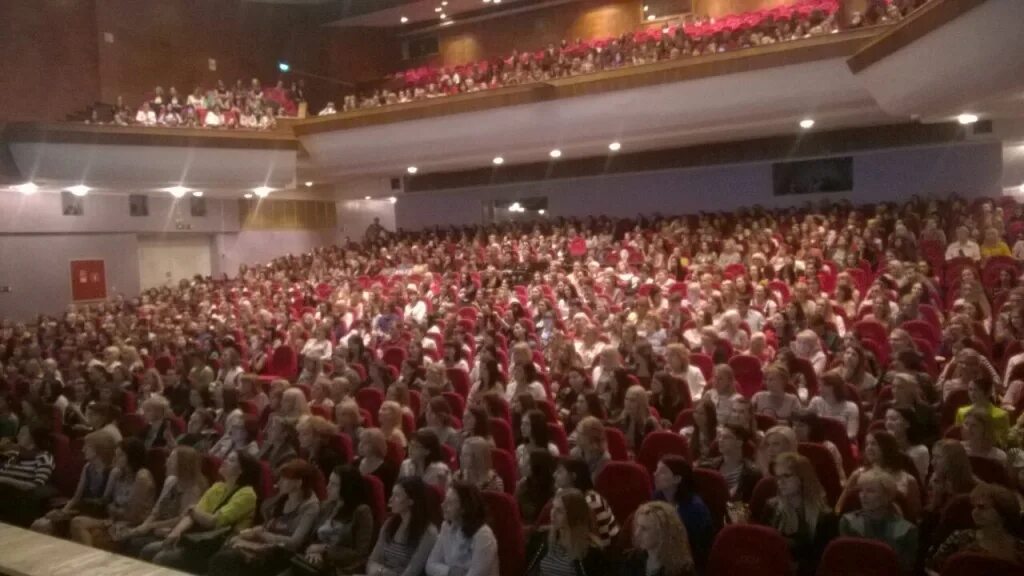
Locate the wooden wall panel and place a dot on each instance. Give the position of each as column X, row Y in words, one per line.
column 49, row 63
column 717, row 8
column 265, row 214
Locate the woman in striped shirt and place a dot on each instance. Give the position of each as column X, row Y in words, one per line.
column 406, row 538
column 573, row 473
column 24, row 475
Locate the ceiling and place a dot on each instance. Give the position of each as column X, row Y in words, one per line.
column 420, row 13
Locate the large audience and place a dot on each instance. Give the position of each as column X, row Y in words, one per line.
column 665, row 395
column 795, row 21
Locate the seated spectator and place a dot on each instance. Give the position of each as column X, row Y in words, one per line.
column 390, row 418
column 809, row 428
column 183, row 486
column 200, row 432
column 327, row 110
column 536, row 484
column 660, row 543
column 979, row 436
column 723, row 392
column 146, row 115
column 951, row 475
column 289, row 518
column 475, row 423
column 636, row 421
column 534, row 431
column 591, row 445
column 800, row 512
column 980, row 391
column 573, row 473
column 832, row 403
column 525, row 380
column 996, row 516
column 881, row 452
column 666, row 396
column 776, row 401
column 426, row 460
column 465, row 544
column 373, row 458
column 877, row 519
column 903, row 426
column 674, row 483
column 129, row 498
column 993, row 245
column 239, row 434
column 856, row 371
column 741, row 475
column 568, row 545
column 439, row 421
column 314, row 446
column 777, row 440
column 156, row 410
column 350, row 421
column 24, row 476
column 99, row 449
column 677, row 358
column 407, row 537
column 963, row 246
column 9, row 423
column 808, row 347
column 701, row 434
column 281, row 444
column 476, row 467
column 343, row 531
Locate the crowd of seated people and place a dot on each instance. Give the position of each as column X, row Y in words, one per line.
column 629, row 394
column 801, row 19
column 252, row 107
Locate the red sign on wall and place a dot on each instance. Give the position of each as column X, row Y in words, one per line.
column 88, row 280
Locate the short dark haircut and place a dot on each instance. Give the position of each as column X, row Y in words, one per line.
column 680, row 467
column 354, row 491
column 42, row 437
column 134, row 453
column 579, row 471
column 251, row 471
column 419, row 515
column 429, row 441
column 474, row 511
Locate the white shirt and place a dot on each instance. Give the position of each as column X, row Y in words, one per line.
column 695, row 381
column 416, row 312
column 535, row 389
column 476, row 556
column 846, row 412
column 970, row 249
column 146, row 118
column 321, row 349
column 754, row 320
column 212, row 119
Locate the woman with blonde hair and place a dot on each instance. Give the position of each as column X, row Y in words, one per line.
column 476, row 466
column 350, row 421
column 390, row 416
column 294, row 405
column 723, row 391
column 591, row 445
column 251, row 391
column 777, row 440
column 373, row 458
column 951, row 474
column 568, row 545
column 799, row 512
column 183, row 486
column 636, row 421
column 99, row 449
column 662, row 547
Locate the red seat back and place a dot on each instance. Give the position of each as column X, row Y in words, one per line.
column 989, row 470
column 749, row 376
column 661, row 443
column 460, row 381
column 284, row 362
column 625, row 485
column 394, row 357
column 156, row 463
column 503, row 518
column 370, row 399
column 956, row 515
column 557, row 436
column 765, row 489
column 979, row 564
column 704, row 363
column 378, row 502
column 132, row 425
column 714, row 491
column 505, row 466
column 616, row 441
column 67, row 465
column 456, row 403
column 859, row 557
column 824, row 467
column 742, row 549
column 501, row 432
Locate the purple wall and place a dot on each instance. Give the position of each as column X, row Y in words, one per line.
column 972, row 169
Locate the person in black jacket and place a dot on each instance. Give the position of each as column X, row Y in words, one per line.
column 568, row 544
column 661, row 546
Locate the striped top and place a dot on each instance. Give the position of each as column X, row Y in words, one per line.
column 604, row 518
column 557, row 563
column 34, row 469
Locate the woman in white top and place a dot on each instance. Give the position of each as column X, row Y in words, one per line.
column 525, row 380
column 901, row 423
column 776, row 401
column 833, row 403
column 808, row 346
column 723, row 393
column 319, row 346
column 426, row 460
column 534, row 430
column 678, row 358
column 466, row 545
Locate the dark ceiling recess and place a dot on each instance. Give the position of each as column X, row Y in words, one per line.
column 343, row 9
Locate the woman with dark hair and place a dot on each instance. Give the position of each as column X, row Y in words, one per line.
column 832, row 403
column 343, row 530
column 439, row 421
column 281, row 444
column 574, row 383
column 466, row 545
column 490, row 378
column 674, row 483
column 741, row 474
column 407, row 537
column 129, row 498
column 902, row 424
column 533, row 428
column 573, row 473
column 809, row 428
column 537, row 486
column 288, row 520
column 666, row 396
column 568, row 545
column 701, row 434
column 587, row 404
column 99, row 449
column 426, row 460
column 228, row 504
column 881, row 451
column 475, row 422
column 453, row 357
column 997, row 523
column 24, row 477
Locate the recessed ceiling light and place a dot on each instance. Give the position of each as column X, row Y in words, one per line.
column 498, row 160
column 487, row 1
column 78, row 189
column 444, row 3
column 247, row 196
column 177, row 191
column 309, row 184
column 807, row 123
column 651, row 17
column 556, row 153
column 262, row 191
column 615, row 146
column 412, row 169
column 28, row 188
column 403, row 20
column 444, row 16
column 542, row 211
column 438, row 9
column 646, row 7
column 393, row 200
column 447, row 22
column 497, row 1
column 367, row 198
column 197, row 193
column 966, row 119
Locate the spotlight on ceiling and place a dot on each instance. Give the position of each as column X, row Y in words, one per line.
column 542, row 211
column 393, row 200
column 967, row 119
column 444, row 16
column 807, row 123
column 177, row 191
column 197, row 193
column 28, row 188
column 556, row 153
column 284, row 66
column 262, row 191
column 247, row 196
column 498, row 160
column 367, row 198
column 438, row 9
column 412, row 169
column 403, row 20
column 447, row 22
column 78, row 189
column 309, row 184
column 615, row 146
column 651, row 17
